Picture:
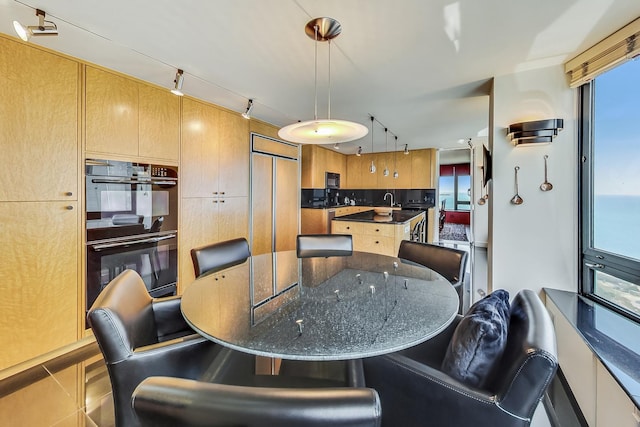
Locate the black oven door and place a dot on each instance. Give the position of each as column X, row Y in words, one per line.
column 153, row 256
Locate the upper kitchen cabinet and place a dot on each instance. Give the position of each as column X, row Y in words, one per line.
column 422, row 168
column 38, row 124
column 215, row 152
column 130, row 119
column 316, row 161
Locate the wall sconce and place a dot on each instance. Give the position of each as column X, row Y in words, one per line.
column 177, row 88
column 247, row 113
column 41, row 29
column 535, row 132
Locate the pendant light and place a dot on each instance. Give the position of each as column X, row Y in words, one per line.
column 395, row 166
column 322, row 131
column 385, row 172
column 372, row 168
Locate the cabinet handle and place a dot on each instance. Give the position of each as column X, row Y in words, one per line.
column 215, row 201
column 68, row 193
column 222, row 201
column 215, row 192
column 377, row 242
column 222, row 192
column 69, row 208
column 377, row 230
column 348, row 228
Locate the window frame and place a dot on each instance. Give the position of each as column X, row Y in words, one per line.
column 591, row 259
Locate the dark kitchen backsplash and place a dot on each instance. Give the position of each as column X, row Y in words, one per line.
column 330, row 197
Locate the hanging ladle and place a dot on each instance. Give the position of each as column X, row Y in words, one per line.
column 546, row 185
column 483, row 199
column 517, row 200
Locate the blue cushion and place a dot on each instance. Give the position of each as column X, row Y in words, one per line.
column 479, row 340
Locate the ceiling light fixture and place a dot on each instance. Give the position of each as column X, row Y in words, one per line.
column 177, row 88
column 41, row 29
column 372, row 167
column 247, row 113
column 322, row 131
column 359, row 152
column 395, row 165
column 406, row 148
column 385, row 172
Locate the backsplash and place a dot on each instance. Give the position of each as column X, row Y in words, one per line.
column 325, row 198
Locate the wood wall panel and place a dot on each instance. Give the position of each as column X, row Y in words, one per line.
column 38, row 124
column 198, row 227
column 233, row 154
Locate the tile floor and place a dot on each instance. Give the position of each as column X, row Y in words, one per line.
column 72, row 393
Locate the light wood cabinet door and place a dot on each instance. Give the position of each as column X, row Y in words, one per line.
column 233, row 218
column 262, row 202
column 354, row 172
column 111, row 113
column 199, row 161
column 421, row 169
column 38, row 124
column 233, row 155
column 404, row 167
column 39, row 286
column 198, row 227
column 287, row 207
column 159, row 121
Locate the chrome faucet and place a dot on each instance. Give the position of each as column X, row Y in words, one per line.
column 389, row 194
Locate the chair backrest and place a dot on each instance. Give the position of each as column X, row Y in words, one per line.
column 164, row 401
column 323, row 245
column 418, row 231
column 449, row 262
column 218, row 256
column 122, row 317
column 530, row 359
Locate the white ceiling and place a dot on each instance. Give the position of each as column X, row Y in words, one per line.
column 421, row 67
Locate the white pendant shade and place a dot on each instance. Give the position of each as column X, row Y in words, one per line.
column 323, row 131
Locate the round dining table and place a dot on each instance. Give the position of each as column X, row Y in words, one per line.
column 334, row 308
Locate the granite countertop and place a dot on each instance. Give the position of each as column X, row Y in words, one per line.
column 396, row 217
column 611, row 336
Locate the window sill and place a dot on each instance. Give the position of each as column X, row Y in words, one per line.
column 611, row 337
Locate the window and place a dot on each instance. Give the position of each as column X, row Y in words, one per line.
column 610, row 181
column 455, row 187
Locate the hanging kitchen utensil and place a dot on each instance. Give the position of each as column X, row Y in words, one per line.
column 546, row 185
column 517, row 200
column 482, row 200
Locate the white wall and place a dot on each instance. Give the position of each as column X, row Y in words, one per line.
column 533, row 245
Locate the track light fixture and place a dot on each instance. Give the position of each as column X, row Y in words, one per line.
column 336, row 146
column 359, row 152
column 372, row 167
column 25, row 33
column 177, row 88
column 406, row 148
column 247, row 113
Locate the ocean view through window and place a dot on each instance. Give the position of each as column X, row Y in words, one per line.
column 610, row 182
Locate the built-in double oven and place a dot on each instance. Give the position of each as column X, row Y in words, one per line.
column 131, row 223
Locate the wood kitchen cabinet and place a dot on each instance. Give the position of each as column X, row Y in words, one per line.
column 316, row 161
column 214, row 180
column 422, row 168
column 127, row 118
column 39, row 217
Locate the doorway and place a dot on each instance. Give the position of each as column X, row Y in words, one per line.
column 454, row 195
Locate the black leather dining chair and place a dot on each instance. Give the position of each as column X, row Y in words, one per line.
column 449, row 262
column 162, row 401
column 432, row 382
column 140, row 336
column 218, row 256
column 323, row 245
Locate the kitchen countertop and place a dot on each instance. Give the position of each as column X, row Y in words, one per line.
column 396, row 217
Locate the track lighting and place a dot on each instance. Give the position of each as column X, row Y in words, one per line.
column 41, row 29
column 359, row 152
column 372, row 167
column 177, row 89
column 247, row 113
column 406, row 148
column 336, row 146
